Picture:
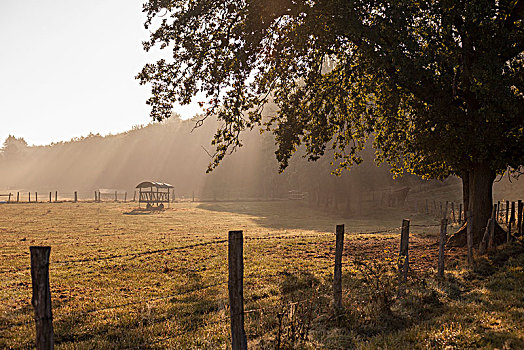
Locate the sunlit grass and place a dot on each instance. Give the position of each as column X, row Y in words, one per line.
column 178, row 298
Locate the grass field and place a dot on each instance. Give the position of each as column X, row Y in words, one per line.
column 124, row 279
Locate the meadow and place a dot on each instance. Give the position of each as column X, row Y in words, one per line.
column 122, row 278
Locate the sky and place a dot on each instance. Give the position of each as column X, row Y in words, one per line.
column 67, row 68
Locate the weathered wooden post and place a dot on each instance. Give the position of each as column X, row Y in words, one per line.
column 403, row 257
column 469, row 237
column 76, row 197
column 519, row 216
column 511, row 222
column 507, row 212
column 485, row 239
column 17, row 197
column 36, row 197
column 116, row 196
column 29, row 200
column 41, row 300
column 492, row 224
column 236, row 290
column 9, row 199
column 56, row 196
column 193, row 196
column 442, row 246
column 337, row 276
column 49, row 197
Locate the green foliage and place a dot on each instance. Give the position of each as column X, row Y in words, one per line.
column 438, row 85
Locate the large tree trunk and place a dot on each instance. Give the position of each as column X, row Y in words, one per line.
column 477, row 191
column 480, row 202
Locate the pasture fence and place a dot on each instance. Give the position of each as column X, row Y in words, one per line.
column 237, row 313
column 41, row 299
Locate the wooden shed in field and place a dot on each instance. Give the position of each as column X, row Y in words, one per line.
column 153, row 193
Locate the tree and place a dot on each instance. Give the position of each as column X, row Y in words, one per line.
column 438, row 85
column 13, row 147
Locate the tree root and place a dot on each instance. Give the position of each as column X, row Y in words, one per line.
column 459, row 239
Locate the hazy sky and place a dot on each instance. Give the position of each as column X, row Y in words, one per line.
column 67, row 68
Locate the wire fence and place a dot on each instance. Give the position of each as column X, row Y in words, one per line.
column 252, row 279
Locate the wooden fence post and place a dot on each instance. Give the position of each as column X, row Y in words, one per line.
column 403, row 257
column 519, row 216
column 193, row 196
column 49, row 197
column 507, row 212
column 9, row 200
column 116, row 196
column 236, row 290
column 29, row 197
column 483, row 245
column 76, row 197
column 41, row 300
column 469, row 237
column 511, row 222
column 17, row 197
column 442, row 246
column 492, row 223
column 36, row 197
column 337, row 276
column 56, row 196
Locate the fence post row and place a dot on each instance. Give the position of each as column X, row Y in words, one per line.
column 41, row 300
column 403, row 258
column 236, row 290
column 337, row 276
column 442, row 246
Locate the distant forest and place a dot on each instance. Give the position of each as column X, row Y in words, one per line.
column 175, row 152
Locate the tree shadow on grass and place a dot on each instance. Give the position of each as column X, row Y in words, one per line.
column 290, row 215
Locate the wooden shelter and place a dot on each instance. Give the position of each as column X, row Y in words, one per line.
column 153, row 193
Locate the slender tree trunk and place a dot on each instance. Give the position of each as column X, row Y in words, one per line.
column 480, row 202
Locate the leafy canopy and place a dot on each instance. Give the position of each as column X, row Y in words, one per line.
column 437, row 84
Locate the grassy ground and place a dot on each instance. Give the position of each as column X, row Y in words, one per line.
column 123, row 279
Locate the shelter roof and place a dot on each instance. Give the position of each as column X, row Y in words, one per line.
column 147, row 184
